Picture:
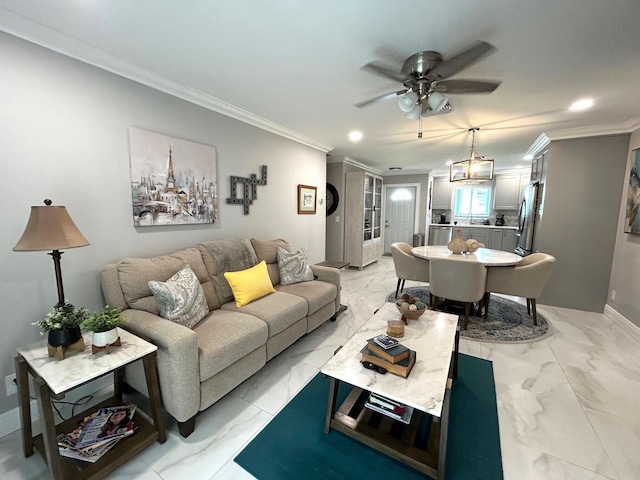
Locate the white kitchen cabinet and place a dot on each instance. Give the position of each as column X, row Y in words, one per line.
column 507, row 192
column 441, row 197
column 362, row 219
column 509, row 241
column 481, row 235
column 495, row 239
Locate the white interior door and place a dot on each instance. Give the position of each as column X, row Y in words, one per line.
column 400, row 212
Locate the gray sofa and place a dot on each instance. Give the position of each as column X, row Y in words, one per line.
column 198, row 366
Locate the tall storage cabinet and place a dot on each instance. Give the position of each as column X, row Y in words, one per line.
column 362, row 219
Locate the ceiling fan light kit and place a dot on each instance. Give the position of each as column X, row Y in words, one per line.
column 424, row 76
column 475, row 168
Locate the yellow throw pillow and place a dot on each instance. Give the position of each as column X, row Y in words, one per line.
column 250, row 284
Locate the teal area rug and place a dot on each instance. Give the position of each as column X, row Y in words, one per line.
column 293, row 446
column 507, row 322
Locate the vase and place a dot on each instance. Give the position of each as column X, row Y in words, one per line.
column 64, row 337
column 101, row 339
column 457, row 244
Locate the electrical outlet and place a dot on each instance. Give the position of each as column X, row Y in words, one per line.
column 10, row 383
column 613, row 295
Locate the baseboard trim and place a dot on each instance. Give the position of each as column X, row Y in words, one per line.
column 623, row 322
column 10, row 421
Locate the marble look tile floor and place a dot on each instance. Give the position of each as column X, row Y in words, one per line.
column 566, row 405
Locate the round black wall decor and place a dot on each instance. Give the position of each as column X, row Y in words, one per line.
column 332, row 199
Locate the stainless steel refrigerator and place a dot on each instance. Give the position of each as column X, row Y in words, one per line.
column 528, row 215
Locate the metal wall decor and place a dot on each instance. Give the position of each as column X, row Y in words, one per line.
column 249, row 190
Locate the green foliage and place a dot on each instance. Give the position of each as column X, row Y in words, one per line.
column 64, row 316
column 104, row 320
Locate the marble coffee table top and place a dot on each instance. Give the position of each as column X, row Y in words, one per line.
column 431, row 336
column 80, row 367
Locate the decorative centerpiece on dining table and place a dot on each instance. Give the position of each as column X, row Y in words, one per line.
column 104, row 325
column 62, row 326
column 410, row 307
column 457, row 244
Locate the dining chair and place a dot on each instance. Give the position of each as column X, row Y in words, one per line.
column 457, row 280
column 526, row 279
column 408, row 266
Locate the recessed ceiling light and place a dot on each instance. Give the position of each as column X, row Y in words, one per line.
column 355, row 136
column 581, row 104
column 528, row 157
column 449, row 162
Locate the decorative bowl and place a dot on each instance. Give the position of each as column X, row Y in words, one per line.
column 410, row 314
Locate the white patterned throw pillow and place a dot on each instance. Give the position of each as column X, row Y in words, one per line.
column 181, row 298
column 293, row 266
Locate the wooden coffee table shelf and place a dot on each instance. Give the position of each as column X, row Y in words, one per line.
column 52, row 379
column 421, row 444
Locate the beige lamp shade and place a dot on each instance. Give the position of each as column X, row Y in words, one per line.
column 50, row 228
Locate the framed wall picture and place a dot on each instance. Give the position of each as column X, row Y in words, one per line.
column 173, row 181
column 632, row 212
column 307, row 199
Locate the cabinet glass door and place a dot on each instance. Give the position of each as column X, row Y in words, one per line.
column 377, row 207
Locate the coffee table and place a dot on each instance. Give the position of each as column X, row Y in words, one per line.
column 434, row 337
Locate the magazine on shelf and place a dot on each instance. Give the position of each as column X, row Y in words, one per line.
column 390, row 408
column 89, row 454
column 106, row 423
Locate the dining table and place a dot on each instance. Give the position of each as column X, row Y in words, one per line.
column 487, row 256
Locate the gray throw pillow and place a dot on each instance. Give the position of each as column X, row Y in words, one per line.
column 293, row 266
column 181, row 298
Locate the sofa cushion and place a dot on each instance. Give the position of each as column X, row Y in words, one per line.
column 224, row 337
column 229, row 255
column 267, row 250
column 181, row 298
column 279, row 310
column 250, row 284
column 135, row 274
column 293, row 266
column 316, row 293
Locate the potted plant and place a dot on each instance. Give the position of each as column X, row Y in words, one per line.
column 62, row 324
column 104, row 325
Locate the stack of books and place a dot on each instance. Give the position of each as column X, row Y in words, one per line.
column 98, row 433
column 390, row 408
column 386, row 352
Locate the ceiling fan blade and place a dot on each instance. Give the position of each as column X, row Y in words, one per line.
column 452, row 66
column 466, row 86
column 384, row 96
column 384, row 71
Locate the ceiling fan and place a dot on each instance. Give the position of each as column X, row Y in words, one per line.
column 425, row 78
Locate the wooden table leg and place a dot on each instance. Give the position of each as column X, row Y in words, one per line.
column 22, row 380
column 153, row 386
column 118, row 383
column 331, row 404
column 47, row 422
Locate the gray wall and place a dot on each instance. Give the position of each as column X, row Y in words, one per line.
column 625, row 273
column 64, row 135
column 583, row 187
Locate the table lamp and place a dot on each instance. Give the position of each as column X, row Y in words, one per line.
column 51, row 228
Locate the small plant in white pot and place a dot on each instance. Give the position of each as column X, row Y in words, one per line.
column 104, row 325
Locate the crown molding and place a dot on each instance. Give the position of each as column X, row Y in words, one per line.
column 540, row 144
column 355, row 163
column 26, row 29
column 596, row 130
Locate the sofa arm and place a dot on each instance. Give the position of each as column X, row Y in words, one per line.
column 331, row 275
column 177, row 358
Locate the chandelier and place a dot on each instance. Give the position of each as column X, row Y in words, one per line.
column 474, row 168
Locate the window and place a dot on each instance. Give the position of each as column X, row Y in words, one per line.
column 472, row 201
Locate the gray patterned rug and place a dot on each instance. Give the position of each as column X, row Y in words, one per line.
column 508, row 321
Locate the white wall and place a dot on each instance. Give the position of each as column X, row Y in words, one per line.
column 625, row 274
column 64, row 135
